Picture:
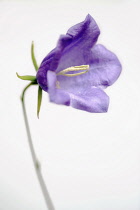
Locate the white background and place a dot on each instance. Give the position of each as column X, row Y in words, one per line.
column 89, row 161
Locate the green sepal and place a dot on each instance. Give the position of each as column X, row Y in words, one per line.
column 27, row 77
column 39, row 100
column 33, row 57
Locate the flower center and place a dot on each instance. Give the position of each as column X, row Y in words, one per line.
column 82, row 68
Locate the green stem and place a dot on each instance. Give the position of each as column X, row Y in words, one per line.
column 37, row 166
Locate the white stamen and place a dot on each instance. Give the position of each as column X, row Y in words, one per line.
column 83, row 68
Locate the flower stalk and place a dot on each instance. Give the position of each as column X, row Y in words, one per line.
column 36, row 163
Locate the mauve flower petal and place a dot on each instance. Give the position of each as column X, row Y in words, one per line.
column 84, row 36
column 56, row 95
column 71, row 49
column 93, row 100
column 42, row 72
column 104, row 70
